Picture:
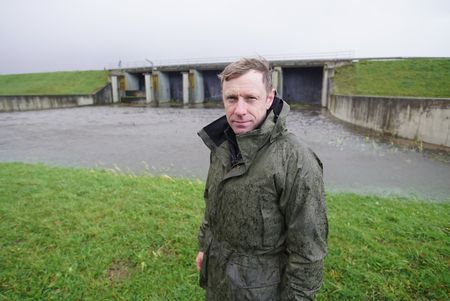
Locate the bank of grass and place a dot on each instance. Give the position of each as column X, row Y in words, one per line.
column 53, row 83
column 407, row 77
column 80, row 234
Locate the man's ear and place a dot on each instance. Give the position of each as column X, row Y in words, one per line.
column 270, row 98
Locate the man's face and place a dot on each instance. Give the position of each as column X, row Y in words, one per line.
column 246, row 101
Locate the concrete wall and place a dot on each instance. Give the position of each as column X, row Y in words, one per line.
column 149, row 91
column 277, row 80
column 162, row 87
column 196, row 87
column 41, row 102
column 185, row 76
column 103, row 96
column 115, row 88
column 132, row 81
column 427, row 120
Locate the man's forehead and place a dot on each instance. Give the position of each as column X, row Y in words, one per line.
column 237, row 89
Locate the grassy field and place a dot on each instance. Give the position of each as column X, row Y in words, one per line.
column 81, row 234
column 53, row 83
column 409, row 77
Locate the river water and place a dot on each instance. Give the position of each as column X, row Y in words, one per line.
column 164, row 141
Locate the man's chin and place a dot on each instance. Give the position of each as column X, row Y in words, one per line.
column 241, row 129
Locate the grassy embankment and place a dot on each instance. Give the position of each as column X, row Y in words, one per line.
column 80, row 234
column 409, row 77
column 53, row 83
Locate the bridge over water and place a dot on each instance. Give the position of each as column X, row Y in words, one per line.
column 298, row 80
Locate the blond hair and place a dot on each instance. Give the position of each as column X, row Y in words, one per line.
column 244, row 65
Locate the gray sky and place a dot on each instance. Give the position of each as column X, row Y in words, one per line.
column 53, row 35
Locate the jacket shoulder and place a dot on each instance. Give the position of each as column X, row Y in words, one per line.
column 298, row 150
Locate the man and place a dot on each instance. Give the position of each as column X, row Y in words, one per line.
column 263, row 236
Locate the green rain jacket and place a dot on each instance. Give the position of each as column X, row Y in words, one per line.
column 265, row 226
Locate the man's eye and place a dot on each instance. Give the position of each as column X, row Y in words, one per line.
column 231, row 99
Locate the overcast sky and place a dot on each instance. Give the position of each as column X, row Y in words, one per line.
column 53, row 35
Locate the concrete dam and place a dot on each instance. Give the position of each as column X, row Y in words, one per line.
column 309, row 82
column 296, row 81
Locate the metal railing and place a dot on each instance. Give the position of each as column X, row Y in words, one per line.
column 217, row 60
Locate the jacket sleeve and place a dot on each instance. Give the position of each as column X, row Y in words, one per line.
column 203, row 246
column 203, row 234
column 303, row 204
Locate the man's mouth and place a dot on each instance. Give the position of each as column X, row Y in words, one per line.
column 241, row 122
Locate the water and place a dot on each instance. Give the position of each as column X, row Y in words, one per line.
column 164, row 141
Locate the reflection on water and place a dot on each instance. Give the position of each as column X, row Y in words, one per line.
column 164, row 141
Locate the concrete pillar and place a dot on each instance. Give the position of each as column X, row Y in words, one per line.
column 331, row 67
column 325, row 86
column 162, row 89
column 185, row 87
column 148, row 88
column 115, row 88
column 196, row 85
column 277, row 80
column 131, row 82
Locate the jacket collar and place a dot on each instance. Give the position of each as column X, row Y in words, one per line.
column 213, row 135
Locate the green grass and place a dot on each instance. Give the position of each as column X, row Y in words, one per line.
column 81, row 234
column 409, row 77
column 387, row 249
column 54, row 83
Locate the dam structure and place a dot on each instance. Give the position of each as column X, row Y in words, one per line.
column 303, row 81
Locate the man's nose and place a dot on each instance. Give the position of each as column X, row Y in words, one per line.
column 241, row 107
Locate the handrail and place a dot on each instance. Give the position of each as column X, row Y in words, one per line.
column 192, row 61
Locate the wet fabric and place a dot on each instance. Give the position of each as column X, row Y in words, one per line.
column 265, row 227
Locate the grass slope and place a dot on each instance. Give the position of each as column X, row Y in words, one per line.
column 80, row 234
column 54, row 83
column 409, row 77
